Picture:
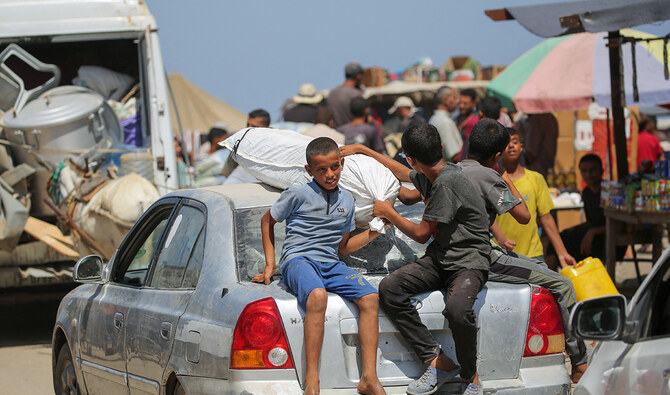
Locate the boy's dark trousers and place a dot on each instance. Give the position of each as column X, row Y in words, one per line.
column 462, row 287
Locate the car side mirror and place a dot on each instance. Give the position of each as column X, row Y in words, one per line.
column 88, row 269
column 599, row 318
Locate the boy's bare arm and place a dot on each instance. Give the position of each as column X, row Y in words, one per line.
column 400, row 171
column 549, row 226
column 504, row 242
column 350, row 244
column 408, row 196
column 520, row 211
column 268, row 232
column 420, row 232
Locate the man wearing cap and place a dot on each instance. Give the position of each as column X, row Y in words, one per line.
column 340, row 97
column 404, row 116
column 305, row 108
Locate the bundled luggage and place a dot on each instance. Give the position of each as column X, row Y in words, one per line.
column 277, row 158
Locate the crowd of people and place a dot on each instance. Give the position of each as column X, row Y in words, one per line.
column 481, row 176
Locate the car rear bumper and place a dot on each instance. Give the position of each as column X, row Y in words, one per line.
column 538, row 375
column 545, row 374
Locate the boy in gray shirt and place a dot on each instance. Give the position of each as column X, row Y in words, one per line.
column 488, row 140
column 457, row 260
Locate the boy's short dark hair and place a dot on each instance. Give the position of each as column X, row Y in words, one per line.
column 260, row 113
column 320, row 146
column 488, row 137
column 422, row 142
column 357, row 105
column 490, row 106
column 591, row 158
column 515, row 132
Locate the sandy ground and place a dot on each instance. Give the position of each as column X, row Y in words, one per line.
column 25, row 344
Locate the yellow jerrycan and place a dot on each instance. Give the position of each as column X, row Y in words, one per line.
column 590, row 279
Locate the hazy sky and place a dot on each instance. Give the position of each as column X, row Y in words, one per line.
column 253, row 53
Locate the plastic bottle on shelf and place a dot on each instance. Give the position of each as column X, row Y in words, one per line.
column 571, row 179
column 551, row 178
column 560, row 180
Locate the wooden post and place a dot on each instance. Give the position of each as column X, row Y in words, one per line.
column 610, row 247
column 618, row 103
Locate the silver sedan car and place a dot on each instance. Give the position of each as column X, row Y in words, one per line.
column 632, row 355
column 174, row 312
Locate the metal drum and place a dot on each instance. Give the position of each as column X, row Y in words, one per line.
column 67, row 118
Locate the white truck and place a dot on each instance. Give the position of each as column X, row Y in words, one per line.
column 120, row 36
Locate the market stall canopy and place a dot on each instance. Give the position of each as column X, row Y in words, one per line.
column 564, row 73
column 198, row 110
column 551, row 20
column 557, row 19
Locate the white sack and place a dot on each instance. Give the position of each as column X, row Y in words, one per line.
column 125, row 198
column 277, row 158
column 109, row 83
column 113, row 210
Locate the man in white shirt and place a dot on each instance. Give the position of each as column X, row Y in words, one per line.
column 441, row 119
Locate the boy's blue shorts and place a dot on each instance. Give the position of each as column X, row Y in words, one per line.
column 302, row 275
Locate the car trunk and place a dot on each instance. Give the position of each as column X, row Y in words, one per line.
column 500, row 344
column 503, row 307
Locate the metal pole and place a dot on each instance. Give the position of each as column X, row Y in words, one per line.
column 618, row 104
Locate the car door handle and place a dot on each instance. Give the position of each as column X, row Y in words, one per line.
column 118, row 320
column 166, row 328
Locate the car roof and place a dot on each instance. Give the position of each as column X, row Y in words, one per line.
column 240, row 196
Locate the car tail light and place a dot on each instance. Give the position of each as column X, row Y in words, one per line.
column 545, row 328
column 259, row 340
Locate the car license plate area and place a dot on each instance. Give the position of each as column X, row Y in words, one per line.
column 397, row 364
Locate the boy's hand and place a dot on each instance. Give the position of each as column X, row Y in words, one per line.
column 351, row 149
column 566, row 260
column 508, row 244
column 381, row 208
column 265, row 277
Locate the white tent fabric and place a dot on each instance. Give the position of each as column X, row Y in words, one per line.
column 198, row 110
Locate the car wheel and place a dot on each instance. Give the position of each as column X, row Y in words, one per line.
column 66, row 380
column 178, row 389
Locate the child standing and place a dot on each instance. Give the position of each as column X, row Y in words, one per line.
column 319, row 220
column 525, row 239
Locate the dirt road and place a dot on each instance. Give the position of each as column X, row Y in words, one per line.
column 25, row 342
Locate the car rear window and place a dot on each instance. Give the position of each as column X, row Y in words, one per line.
column 382, row 256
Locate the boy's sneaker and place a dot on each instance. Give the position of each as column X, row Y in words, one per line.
column 473, row 389
column 431, row 381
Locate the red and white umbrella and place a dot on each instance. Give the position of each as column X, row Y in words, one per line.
column 566, row 72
